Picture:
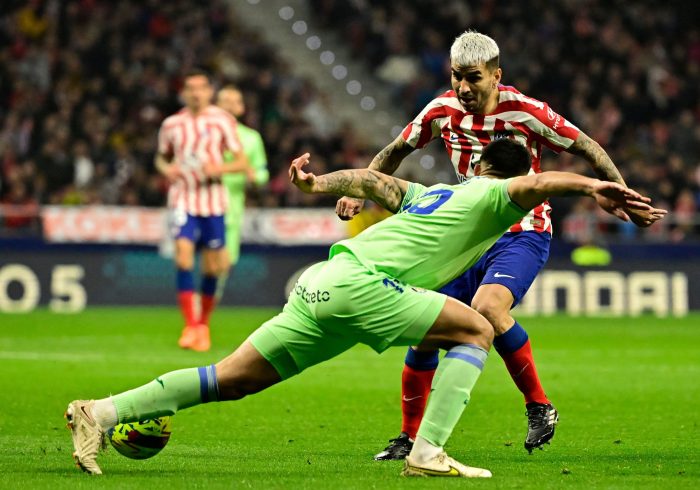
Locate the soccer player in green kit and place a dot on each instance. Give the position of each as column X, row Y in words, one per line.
column 378, row 289
column 230, row 99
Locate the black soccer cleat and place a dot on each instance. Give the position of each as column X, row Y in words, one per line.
column 541, row 422
column 397, row 449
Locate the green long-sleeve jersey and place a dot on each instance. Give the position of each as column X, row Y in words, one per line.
column 439, row 232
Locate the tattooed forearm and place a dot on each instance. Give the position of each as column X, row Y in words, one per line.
column 599, row 160
column 364, row 184
column 389, row 159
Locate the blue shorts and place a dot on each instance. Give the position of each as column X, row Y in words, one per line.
column 203, row 231
column 514, row 261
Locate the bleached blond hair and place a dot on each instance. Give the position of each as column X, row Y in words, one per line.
column 472, row 48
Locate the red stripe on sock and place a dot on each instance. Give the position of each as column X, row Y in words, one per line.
column 186, row 301
column 521, row 366
column 208, row 304
column 415, row 389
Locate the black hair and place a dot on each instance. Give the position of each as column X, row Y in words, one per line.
column 197, row 72
column 493, row 63
column 506, row 158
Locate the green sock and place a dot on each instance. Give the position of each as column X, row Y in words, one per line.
column 455, row 377
column 167, row 394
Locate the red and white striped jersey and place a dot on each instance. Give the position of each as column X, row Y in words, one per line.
column 192, row 142
column 465, row 135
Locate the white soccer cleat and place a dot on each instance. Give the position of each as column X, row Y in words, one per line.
column 442, row 465
column 88, row 436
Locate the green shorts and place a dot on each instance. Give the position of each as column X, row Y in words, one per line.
column 337, row 304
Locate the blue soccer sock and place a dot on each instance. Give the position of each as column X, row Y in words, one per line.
column 184, row 280
column 209, row 284
column 510, row 341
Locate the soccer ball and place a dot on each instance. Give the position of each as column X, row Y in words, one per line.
column 140, row 440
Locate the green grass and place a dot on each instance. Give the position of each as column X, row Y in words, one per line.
column 628, row 391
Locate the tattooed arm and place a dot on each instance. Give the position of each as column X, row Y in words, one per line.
column 389, row 159
column 596, row 156
column 385, row 190
column 386, row 162
column 605, row 169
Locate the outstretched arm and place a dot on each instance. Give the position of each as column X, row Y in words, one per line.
column 605, row 169
column 386, row 162
column 531, row 190
column 385, row 190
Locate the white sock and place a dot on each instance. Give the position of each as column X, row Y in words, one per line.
column 423, row 451
column 105, row 413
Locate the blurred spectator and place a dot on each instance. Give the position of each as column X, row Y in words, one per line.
column 84, row 85
column 18, row 209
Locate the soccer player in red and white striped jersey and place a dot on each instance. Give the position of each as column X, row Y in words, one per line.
column 476, row 111
column 191, row 144
column 465, row 134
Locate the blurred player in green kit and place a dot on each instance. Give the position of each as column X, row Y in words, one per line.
column 230, row 99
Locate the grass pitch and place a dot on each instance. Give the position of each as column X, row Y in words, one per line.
column 628, row 391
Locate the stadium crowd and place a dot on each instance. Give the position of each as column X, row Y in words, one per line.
column 84, row 85
column 627, row 73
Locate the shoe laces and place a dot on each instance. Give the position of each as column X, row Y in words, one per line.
column 399, row 441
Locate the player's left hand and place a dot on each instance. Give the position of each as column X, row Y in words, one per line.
column 615, row 199
column 250, row 174
column 644, row 218
column 303, row 180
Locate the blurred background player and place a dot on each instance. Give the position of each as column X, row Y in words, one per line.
column 191, row 147
column 477, row 110
column 230, row 99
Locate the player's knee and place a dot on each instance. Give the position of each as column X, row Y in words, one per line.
column 493, row 310
column 183, row 262
column 484, row 331
column 184, row 259
column 477, row 331
column 216, row 270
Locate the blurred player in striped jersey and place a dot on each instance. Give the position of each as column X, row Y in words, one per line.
column 478, row 110
column 191, row 148
column 230, row 99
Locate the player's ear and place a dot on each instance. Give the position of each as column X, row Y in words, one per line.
column 477, row 169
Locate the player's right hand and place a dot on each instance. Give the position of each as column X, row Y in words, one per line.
column 348, row 207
